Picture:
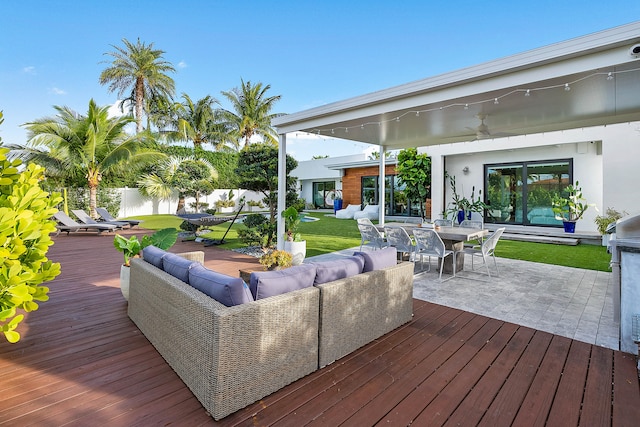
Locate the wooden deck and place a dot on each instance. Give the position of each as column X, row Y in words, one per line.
column 81, row 361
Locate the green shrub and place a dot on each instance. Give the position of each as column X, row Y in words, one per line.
column 25, row 227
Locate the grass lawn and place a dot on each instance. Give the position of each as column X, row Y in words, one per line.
column 330, row 234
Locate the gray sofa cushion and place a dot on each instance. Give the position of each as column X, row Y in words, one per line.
column 153, row 256
column 177, row 266
column 264, row 284
column 328, row 271
column 377, row 260
column 225, row 289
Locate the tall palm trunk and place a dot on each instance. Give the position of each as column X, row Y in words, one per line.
column 93, row 180
column 139, row 101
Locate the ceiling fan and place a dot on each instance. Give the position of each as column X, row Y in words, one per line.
column 482, row 130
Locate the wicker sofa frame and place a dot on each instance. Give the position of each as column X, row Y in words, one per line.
column 231, row 357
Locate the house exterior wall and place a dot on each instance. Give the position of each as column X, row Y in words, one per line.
column 352, row 182
column 604, row 162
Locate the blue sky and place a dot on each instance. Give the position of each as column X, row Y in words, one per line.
column 310, row 52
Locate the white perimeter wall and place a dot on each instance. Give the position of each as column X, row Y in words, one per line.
column 132, row 203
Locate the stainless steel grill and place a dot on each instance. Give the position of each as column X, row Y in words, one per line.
column 625, row 266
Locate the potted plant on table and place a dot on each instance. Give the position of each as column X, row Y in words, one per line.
column 132, row 247
column 293, row 240
column 571, row 208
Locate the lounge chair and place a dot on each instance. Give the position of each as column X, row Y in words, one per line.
column 105, row 215
column 370, row 211
column 86, row 219
column 347, row 213
column 67, row 224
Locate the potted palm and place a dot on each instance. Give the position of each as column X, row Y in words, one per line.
column 293, row 240
column 571, row 208
column 132, row 247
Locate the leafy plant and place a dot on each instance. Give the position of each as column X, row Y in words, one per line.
column 414, row 171
column 572, row 207
column 132, row 247
column 460, row 202
column 276, row 258
column 611, row 215
column 25, row 227
column 292, row 220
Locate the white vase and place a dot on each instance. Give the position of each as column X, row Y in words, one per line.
column 125, row 273
column 298, row 251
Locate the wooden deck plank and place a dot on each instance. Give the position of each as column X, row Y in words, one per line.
column 596, row 411
column 567, row 404
column 81, row 361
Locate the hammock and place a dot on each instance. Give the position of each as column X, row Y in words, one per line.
column 207, row 220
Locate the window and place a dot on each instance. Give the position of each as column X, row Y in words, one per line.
column 396, row 202
column 521, row 192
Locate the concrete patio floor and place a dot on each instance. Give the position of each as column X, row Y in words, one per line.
column 569, row 302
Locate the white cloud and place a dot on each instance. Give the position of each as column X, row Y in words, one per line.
column 182, row 64
column 57, row 91
column 29, row 70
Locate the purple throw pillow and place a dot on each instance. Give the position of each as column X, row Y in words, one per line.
column 225, row 289
column 328, row 271
column 153, row 256
column 177, row 266
column 265, row 284
column 377, row 260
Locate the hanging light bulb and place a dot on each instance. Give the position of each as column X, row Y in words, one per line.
column 610, row 76
column 495, row 101
column 417, row 113
column 398, row 119
column 567, row 88
column 527, row 93
column 466, row 106
column 332, row 132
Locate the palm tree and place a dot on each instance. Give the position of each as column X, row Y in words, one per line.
column 187, row 175
column 251, row 113
column 198, row 123
column 142, row 69
column 71, row 145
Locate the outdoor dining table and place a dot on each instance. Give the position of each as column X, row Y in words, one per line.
column 453, row 238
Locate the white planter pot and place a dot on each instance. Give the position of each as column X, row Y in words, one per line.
column 125, row 273
column 298, row 251
column 605, row 239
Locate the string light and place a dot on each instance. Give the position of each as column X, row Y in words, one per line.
column 496, row 100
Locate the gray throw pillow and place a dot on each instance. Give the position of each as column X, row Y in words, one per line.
column 377, row 260
column 265, row 284
column 153, row 256
column 177, row 266
column 328, row 271
column 225, row 289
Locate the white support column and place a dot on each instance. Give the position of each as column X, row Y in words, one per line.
column 282, row 189
column 437, row 186
column 381, row 185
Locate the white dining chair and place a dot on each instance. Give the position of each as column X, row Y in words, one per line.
column 399, row 238
column 486, row 250
column 443, row 222
column 471, row 223
column 429, row 243
column 369, row 233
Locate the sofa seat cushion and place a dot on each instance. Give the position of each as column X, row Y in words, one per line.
column 153, row 256
column 265, row 284
column 328, row 271
column 177, row 266
column 225, row 289
column 377, row 260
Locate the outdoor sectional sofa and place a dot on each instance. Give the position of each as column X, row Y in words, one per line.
column 280, row 327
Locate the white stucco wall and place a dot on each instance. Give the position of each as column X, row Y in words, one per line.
column 132, row 203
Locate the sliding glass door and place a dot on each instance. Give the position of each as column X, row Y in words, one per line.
column 521, row 193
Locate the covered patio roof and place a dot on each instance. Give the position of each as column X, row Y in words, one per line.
column 587, row 81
